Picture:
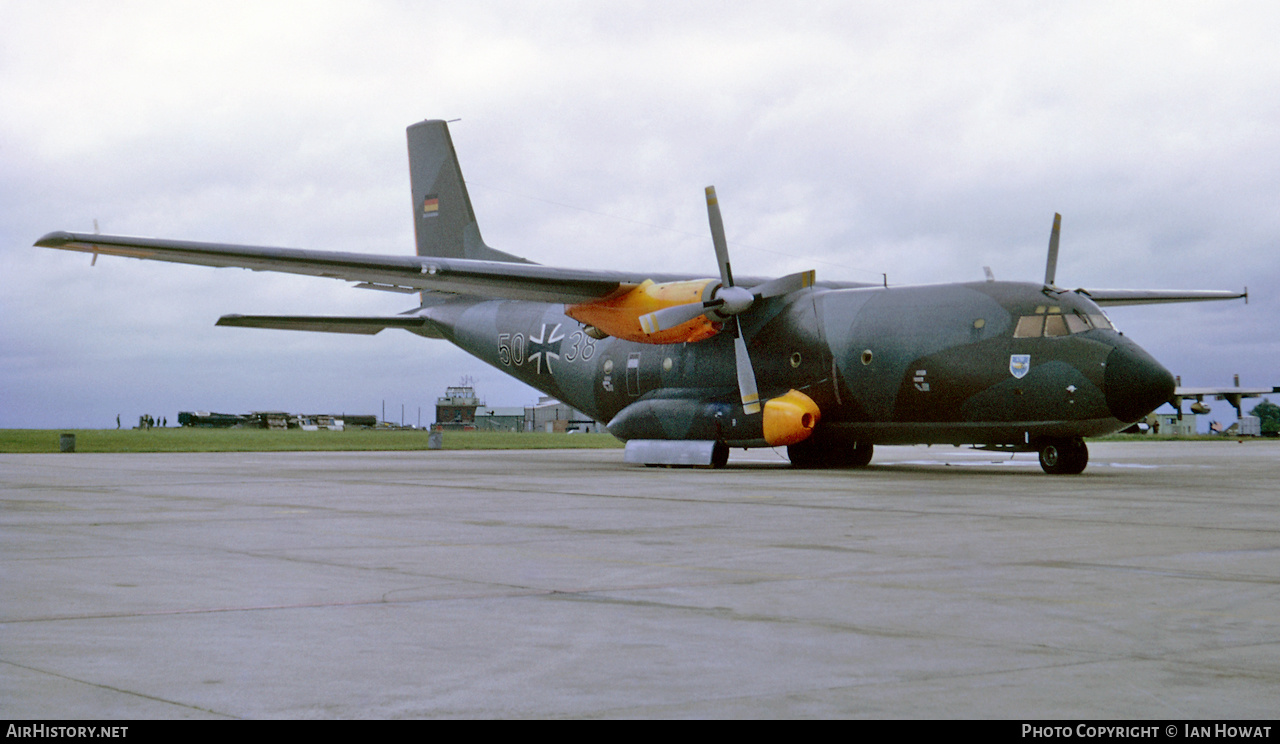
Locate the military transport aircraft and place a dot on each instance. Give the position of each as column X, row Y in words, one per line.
column 685, row 367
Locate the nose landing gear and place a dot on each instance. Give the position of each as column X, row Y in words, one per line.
column 1064, row 456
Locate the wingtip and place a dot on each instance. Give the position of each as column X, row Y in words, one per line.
column 55, row 239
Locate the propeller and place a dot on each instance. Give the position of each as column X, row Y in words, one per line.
column 728, row 301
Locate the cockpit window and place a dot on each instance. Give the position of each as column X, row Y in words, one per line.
column 1054, row 325
column 1050, row 321
column 1029, row 326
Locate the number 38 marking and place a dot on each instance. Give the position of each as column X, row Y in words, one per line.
column 581, row 346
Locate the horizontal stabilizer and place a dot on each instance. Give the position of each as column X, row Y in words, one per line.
column 333, row 324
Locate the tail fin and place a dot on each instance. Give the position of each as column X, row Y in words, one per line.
column 443, row 221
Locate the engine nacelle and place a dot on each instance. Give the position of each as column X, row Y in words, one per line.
column 790, row 418
column 619, row 316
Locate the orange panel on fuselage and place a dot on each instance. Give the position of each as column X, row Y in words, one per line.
column 619, row 316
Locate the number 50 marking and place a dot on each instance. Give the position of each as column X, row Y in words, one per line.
column 513, row 352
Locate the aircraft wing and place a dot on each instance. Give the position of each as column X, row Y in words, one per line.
column 496, row 279
column 1224, row 393
column 1158, row 296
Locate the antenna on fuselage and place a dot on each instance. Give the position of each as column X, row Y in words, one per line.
column 1051, row 266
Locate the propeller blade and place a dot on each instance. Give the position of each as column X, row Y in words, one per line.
column 784, row 285
column 1051, row 265
column 735, row 301
column 717, row 237
column 728, row 299
column 746, row 375
column 670, row 317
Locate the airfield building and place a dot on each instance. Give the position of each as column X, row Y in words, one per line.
column 550, row 415
column 1169, row 425
column 456, row 409
column 500, row 418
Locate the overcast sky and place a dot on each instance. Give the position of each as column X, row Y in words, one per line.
column 920, row 140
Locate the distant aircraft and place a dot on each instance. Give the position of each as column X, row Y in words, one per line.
column 684, row 367
column 1234, row 395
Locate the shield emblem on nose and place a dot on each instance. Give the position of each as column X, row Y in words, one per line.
column 1019, row 364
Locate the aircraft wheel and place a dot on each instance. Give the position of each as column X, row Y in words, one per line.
column 720, row 455
column 806, row 455
column 860, row 455
column 810, row 454
column 1064, row 456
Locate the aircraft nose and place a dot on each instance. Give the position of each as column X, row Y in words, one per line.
column 1136, row 383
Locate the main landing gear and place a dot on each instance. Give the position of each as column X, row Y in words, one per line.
column 811, row 454
column 1064, row 456
column 720, row 455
